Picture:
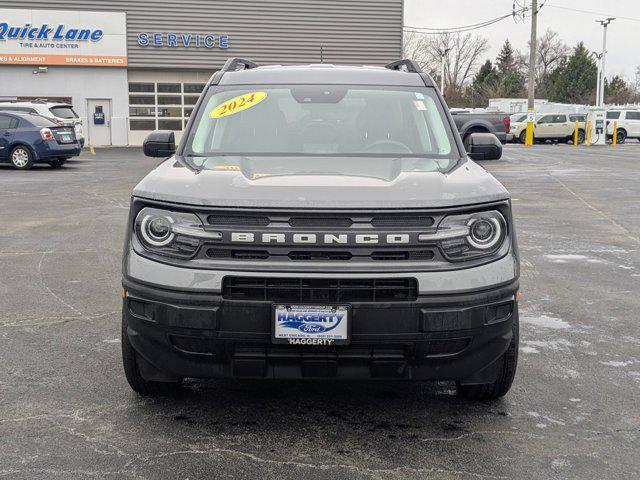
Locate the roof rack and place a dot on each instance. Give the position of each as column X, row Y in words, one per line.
column 411, row 65
column 232, row 64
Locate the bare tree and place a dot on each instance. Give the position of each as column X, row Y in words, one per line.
column 462, row 52
column 416, row 46
column 552, row 53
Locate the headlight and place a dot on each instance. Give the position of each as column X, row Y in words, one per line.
column 171, row 233
column 463, row 237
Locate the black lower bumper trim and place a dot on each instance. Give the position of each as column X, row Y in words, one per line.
column 438, row 337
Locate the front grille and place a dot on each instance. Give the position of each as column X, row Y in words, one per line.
column 402, row 221
column 292, row 290
column 320, row 255
column 332, row 236
column 393, row 255
column 238, row 220
column 320, row 222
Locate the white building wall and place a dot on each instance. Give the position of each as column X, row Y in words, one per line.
column 80, row 84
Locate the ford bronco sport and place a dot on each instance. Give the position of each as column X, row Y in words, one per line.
column 321, row 222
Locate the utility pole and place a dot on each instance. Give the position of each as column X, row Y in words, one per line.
column 442, row 57
column 532, row 68
column 602, row 75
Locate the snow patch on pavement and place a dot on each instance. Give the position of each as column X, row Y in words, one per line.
column 559, row 344
column 528, row 349
column 614, row 363
column 545, row 321
column 572, row 257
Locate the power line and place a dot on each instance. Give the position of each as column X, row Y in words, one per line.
column 600, row 14
column 463, row 28
column 457, row 28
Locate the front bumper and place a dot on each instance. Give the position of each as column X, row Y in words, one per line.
column 437, row 337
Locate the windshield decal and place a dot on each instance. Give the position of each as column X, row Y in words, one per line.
column 419, row 104
column 238, row 104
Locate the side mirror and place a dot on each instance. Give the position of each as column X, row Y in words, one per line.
column 160, row 143
column 484, row 146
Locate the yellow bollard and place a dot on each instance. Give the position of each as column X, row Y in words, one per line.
column 615, row 133
column 575, row 134
column 529, row 136
column 92, row 150
column 587, row 140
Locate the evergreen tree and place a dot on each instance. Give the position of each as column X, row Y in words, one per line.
column 483, row 84
column 508, row 69
column 506, row 61
column 575, row 81
column 617, row 91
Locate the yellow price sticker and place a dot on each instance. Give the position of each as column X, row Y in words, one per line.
column 238, row 104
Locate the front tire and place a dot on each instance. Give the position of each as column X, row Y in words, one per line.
column 21, row 158
column 523, row 137
column 621, row 136
column 502, row 384
column 132, row 372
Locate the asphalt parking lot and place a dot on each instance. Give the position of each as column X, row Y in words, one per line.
column 67, row 412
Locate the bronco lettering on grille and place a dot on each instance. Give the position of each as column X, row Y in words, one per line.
column 325, row 239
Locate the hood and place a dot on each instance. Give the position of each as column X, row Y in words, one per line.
column 466, row 184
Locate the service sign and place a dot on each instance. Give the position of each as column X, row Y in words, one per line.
column 63, row 37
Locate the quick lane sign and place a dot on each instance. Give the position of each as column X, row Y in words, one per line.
column 63, row 37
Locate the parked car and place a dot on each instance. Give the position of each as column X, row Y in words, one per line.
column 469, row 121
column 518, row 120
column 628, row 124
column 27, row 138
column 552, row 126
column 61, row 113
column 321, row 222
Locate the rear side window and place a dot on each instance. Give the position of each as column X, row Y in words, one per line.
column 63, row 112
column 559, row 118
column 7, row 122
column 613, row 115
column 40, row 121
column 633, row 115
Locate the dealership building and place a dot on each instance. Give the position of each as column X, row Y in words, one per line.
column 136, row 66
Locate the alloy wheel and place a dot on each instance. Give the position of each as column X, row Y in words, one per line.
column 20, row 157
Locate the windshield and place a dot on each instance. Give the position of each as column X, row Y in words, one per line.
column 519, row 118
column 306, row 121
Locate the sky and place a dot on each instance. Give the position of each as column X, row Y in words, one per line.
column 623, row 35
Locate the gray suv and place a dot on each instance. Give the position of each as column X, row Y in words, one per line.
column 321, row 222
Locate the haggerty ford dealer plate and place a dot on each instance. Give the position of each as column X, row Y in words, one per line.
column 311, row 325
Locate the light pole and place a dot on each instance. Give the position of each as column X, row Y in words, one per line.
column 443, row 53
column 602, row 76
column 599, row 57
